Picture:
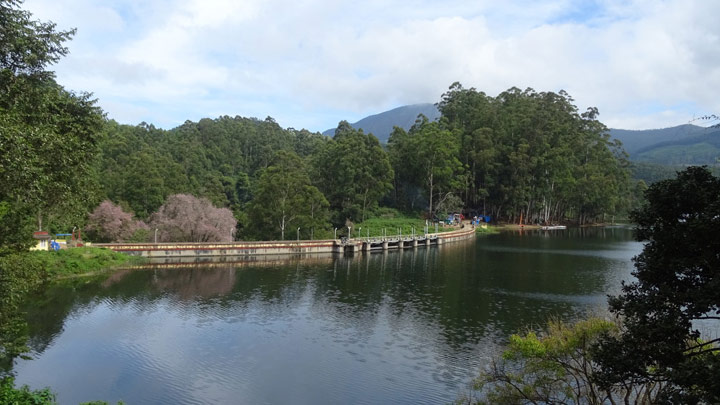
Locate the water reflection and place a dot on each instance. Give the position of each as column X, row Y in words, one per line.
column 387, row 327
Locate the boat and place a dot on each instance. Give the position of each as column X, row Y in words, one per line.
column 552, row 227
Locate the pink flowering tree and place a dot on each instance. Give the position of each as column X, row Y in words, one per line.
column 109, row 223
column 186, row 218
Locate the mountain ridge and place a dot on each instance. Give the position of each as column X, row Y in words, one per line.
column 382, row 124
column 678, row 145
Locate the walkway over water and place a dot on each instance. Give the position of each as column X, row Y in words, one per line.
column 241, row 248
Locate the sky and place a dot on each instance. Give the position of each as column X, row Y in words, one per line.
column 310, row 63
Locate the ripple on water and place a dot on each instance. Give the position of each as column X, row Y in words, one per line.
column 377, row 331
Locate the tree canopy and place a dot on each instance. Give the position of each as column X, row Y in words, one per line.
column 48, row 135
column 522, row 155
column 675, row 295
column 285, row 198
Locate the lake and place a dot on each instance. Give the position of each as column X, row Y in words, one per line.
column 411, row 326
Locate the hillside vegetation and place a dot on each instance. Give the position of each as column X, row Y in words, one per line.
column 520, row 156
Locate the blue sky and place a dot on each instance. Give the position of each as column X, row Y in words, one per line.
column 312, row 63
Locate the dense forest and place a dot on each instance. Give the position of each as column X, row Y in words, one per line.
column 522, row 156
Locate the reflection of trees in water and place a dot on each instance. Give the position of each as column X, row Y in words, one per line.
column 445, row 301
column 190, row 283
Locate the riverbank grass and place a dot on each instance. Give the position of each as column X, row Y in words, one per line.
column 488, row 230
column 391, row 225
column 79, row 261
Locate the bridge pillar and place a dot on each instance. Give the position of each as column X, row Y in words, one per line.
column 385, row 245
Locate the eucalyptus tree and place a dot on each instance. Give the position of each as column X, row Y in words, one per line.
column 354, row 172
column 532, row 156
column 428, row 156
column 284, row 198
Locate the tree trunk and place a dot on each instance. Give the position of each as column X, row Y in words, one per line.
column 282, row 228
column 431, row 194
column 364, row 205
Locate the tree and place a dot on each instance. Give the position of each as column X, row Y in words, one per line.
column 556, row 367
column 186, row 218
column 428, row 156
column 110, row 223
column 677, row 289
column 532, row 155
column 284, row 198
column 354, row 172
column 48, row 136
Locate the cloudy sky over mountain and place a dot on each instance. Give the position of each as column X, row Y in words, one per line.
column 309, row 64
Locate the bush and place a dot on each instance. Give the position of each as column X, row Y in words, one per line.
column 23, row 395
column 555, row 367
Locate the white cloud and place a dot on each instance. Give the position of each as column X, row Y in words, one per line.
column 310, row 64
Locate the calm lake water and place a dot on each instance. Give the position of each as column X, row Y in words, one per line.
column 412, row 326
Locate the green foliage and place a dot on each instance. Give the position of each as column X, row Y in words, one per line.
column 699, row 153
column 688, row 145
column 678, row 274
column 427, row 157
column 520, row 153
column 487, row 230
column 11, row 395
column 353, row 172
column 19, row 274
column 555, row 367
column 48, row 135
column 284, row 200
column 391, row 225
column 533, row 154
column 81, row 260
column 652, row 172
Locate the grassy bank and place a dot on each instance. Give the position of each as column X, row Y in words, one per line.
column 391, row 225
column 489, row 230
column 78, row 261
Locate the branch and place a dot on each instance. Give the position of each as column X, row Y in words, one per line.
column 709, row 342
column 714, row 349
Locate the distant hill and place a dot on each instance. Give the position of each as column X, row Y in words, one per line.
column 635, row 140
column 681, row 145
column 696, row 150
column 381, row 125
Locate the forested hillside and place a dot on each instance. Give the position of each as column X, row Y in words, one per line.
column 522, row 153
column 522, row 156
column 635, row 140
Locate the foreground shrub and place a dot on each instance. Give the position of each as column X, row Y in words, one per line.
column 9, row 394
column 555, row 367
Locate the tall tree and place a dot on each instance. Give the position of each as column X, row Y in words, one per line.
column 48, row 135
column 354, row 172
column 678, row 274
column 532, row 155
column 284, row 198
column 429, row 155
